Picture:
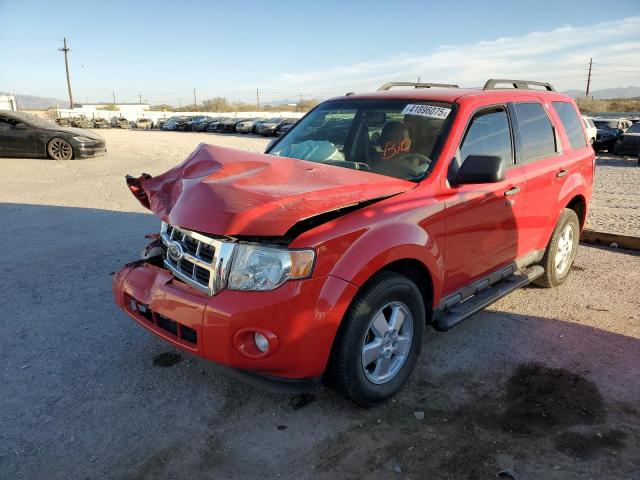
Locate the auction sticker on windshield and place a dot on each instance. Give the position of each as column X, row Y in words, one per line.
column 429, row 111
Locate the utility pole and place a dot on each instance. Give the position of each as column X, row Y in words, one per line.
column 589, row 78
column 113, row 92
column 180, row 103
column 139, row 97
column 66, row 50
column 195, row 103
column 258, row 98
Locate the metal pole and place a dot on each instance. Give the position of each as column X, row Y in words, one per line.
column 66, row 66
column 589, row 78
column 195, row 104
column 113, row 92
column 258, row 98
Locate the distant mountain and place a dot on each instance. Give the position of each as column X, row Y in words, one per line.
column 32, row 102
column 620, row 92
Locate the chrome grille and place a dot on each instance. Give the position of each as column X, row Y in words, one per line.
column 196, row 259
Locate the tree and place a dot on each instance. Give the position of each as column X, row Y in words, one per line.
column 163, row 106
column 218, row 104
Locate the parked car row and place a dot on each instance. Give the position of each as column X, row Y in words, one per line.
column 204, row 123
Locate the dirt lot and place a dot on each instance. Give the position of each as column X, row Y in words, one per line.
column 543, row 385
column 615, row 206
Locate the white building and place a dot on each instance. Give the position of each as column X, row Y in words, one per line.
column 8, row 102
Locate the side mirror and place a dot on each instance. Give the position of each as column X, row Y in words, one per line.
column 481, row 169
column 21, row 126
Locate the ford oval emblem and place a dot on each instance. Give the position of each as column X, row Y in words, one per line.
column 175, row 251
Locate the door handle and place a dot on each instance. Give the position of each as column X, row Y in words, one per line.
column 562, row 173
column 512, row 191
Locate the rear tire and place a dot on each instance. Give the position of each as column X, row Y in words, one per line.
column 379, row 340
column 561, row 251
column 59, row 149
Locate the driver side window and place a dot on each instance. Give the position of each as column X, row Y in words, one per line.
column 488, row 134
column 6, row 124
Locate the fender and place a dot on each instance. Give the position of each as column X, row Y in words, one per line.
column 574, row 186
column 367, row 251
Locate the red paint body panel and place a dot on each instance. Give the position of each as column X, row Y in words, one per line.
column 457, row 234
column 304, row 315
column 224, row 191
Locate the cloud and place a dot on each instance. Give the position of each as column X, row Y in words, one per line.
column 559, row 56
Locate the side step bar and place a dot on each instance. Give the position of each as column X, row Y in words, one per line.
column 450, row 317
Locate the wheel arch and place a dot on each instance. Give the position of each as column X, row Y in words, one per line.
column 579, row 205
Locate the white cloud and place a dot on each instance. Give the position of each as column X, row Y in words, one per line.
column 559, row 56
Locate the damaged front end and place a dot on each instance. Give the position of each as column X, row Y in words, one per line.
column 228, row 216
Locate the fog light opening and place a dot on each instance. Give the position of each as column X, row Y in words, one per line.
column 261, row 342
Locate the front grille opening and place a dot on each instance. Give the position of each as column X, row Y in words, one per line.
column 181, row 332
column 188, row 334
column 168, row 325
column 142, row 309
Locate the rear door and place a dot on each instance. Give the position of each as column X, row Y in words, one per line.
column 539, row 150
column 482, row 219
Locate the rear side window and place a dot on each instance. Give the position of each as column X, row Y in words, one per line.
column 488, row 134
column 571, row 124
column 536, row 133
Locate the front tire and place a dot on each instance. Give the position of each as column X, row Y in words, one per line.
column 561, row 251
column 379, row 340
column 59, row 149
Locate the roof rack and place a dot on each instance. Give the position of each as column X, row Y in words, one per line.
column 521, row 84
column 390, row 85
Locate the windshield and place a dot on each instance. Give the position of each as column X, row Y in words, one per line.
column 35, row 120
column 635, row 128
column 397, row 138
column 606, row 123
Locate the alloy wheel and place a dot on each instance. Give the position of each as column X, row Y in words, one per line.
column 387, row 342
column 60, row 149
column 564, row 250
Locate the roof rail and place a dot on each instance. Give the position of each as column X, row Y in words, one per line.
column 521, row 84
column 390, row 85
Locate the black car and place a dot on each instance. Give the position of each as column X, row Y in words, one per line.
column 629, row 142
column 218, row 125
column 183, row 123
column 609, row 132
column 24, row 135
column 284, row 126
column 203, row 124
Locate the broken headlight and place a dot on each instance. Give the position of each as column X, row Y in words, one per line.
column 258, row 267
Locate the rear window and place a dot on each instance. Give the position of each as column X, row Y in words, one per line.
column 536, row 133
column 571, row 124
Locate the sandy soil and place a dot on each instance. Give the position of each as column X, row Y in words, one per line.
column 615, row 206
column 544, row 384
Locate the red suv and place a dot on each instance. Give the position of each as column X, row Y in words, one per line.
column 375, row 215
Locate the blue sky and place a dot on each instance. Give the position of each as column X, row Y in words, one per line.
column 287, row 48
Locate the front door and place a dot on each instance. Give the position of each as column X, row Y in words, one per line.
column 482, row 220
column 15, row 141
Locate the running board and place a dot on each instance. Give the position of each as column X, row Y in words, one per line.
column 453, row 315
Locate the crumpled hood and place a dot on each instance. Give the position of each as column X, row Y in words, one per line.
column 224, row 191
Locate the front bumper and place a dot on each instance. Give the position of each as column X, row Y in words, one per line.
column 91, row 150
column 300, row 318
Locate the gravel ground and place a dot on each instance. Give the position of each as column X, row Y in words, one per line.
column 544, row 384
column 615, row 206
